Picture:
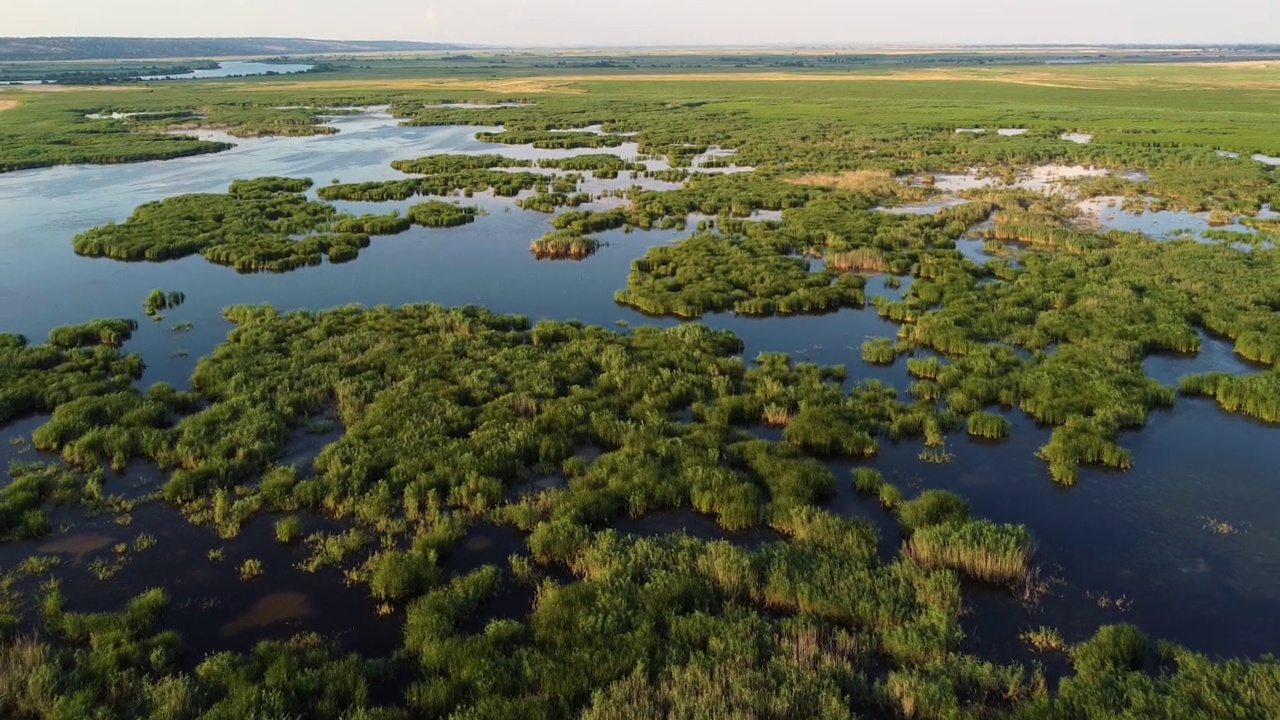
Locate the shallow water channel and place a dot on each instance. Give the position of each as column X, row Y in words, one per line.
column 1142, row 538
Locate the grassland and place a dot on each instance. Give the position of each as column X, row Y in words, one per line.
column 446, row 412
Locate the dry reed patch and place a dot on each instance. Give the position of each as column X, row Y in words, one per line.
column 7, row 104
column 508, row 86
column 867, row 260
column 848, row 180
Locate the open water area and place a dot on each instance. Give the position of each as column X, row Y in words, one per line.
column 1140, row 546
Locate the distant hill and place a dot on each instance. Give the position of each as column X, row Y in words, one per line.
column 114, row 48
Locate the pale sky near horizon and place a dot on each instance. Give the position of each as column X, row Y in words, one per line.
column 649, row 22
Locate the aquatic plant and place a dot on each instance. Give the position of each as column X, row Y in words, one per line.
column 78, row 361
column 879, row 351
column 455, row 162
column 889, row 495
column 158, row 300
column 859, row 260
column 437, row 214
column 288, row 529
column 867, row 481
column 712, row 273
column 250, row 569
column 1257, row 394
column 259, row 225
column 109, row 332
column 564, row 244
column 551, row 140
column 989, row 425
column 390, row 224
column 999, row 554
column 1044, row 639
column 395, row 575
column 933, row 507
column 1113, row 648
column 447, row 412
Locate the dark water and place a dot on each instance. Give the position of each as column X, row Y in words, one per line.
column 210, row 605
column 1141, row 537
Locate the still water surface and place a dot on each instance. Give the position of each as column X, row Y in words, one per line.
column 236, row 68
column 1139, row 536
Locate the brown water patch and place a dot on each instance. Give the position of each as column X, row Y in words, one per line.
column 271, row 610
column 77, row 546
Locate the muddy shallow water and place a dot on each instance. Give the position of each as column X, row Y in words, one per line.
column 1110, row 213
column 1144, row 536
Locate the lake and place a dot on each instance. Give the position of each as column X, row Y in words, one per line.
column 236, row 68
column 1142, row 538
column 226, row 69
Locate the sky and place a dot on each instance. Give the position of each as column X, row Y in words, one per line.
column 664, row 22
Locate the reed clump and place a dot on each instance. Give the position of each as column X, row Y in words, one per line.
column 867, row 481
column 1114, row 648
column 869, row 260
column 1257, row 394
column 1000, row 554
column 933, row 507
column 1044, row 639
column 988, row 425
column 158, row 300
column 879, row 351
column 564, row 245
column 438, row 214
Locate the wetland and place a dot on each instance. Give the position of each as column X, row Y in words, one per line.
column 322, row 424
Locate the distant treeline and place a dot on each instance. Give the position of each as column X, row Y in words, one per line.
column 96, row 76
column 100, row 48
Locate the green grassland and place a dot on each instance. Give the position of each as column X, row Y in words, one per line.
column 1128, row 108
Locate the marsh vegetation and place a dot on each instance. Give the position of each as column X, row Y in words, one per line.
column 816, row 585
